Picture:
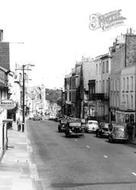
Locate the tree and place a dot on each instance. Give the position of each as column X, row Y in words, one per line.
column 53, row 96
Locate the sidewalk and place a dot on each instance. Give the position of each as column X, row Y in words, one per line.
column 14, row 167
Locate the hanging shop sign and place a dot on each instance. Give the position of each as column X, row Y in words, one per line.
column 7, row 104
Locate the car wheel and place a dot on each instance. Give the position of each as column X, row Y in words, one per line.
column 110, row 139
column 97, row 135
column 59, row 130
column 67, row 134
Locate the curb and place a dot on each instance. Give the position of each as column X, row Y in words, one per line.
column 1, row 155
column 134, row 143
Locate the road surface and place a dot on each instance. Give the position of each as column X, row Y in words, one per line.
column 85, row 163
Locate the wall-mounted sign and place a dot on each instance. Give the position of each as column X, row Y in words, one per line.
column 7, row 104
column 7, row 120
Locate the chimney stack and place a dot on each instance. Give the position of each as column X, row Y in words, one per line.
column 1, row 35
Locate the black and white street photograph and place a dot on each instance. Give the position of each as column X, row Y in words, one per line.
column 67, row 95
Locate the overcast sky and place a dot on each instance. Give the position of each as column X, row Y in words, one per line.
column 56, row 33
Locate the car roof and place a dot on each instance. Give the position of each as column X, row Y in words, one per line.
column 76, row 121
column 94, row 121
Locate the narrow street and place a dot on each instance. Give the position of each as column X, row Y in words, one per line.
column 79, row 163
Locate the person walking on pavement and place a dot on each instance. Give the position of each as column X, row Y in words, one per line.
column 18, row 124
column 130, row 131
column 110, row 127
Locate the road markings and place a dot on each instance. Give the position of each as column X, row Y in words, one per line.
column 87, row 146
column 134, row 173
column 105, row 156
column 29, row 149
column 28, row 141
column 33, row 171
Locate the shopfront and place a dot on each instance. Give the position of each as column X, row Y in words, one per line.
column 124, row 117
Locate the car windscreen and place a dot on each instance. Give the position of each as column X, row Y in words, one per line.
column 63, row 121
column 74, row 124
column 119, row 129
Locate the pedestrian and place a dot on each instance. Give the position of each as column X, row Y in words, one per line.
column 18, row 124
column 130, row 131
column 110, row 127
column 101, row 124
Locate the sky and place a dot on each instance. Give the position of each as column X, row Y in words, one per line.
column 54, row 34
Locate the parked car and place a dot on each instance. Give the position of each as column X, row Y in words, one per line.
column 103, row 130
column 74, row 128
column 118, row 133
column 83, row 123
column 62, row 125
column 30, row 117
column 37, row 118
column 52, row 117
column 91, row 126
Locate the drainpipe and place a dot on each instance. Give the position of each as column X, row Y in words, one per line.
column 135, row 106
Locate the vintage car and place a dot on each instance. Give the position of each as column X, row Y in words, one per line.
column 91, row 126
column 37, row 118
column 118, row 133
column 62, row 125
column 74, row 128
column 103, row 130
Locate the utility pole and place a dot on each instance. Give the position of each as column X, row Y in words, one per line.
column 23, row 113
column 23, row 93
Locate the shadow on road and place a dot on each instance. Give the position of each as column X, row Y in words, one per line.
column 68, row 185
column 72, row 136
